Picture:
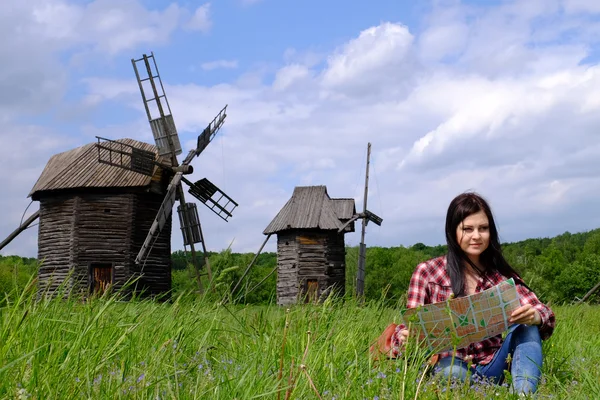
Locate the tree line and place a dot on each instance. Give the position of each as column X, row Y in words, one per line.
column 560, row 270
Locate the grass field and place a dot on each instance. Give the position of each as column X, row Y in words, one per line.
column 184, row 349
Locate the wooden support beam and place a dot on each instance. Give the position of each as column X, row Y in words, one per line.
column 250, row 265
column 20, row 229
column 588, row 294
column 362, row 253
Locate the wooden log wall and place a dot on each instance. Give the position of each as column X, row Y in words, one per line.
column 335, row 254
column 55, row 242
column 102, row 235
column 309, row 255
column 312, row 261
column 155, row 272
column 287, row 268
column 79, row 229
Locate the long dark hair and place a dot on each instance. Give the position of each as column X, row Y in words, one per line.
column 461, row 207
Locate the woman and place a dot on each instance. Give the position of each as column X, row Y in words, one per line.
column 474, row 263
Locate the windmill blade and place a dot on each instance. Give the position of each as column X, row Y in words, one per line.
column 125, row 156
column 351, row 220
column 214, row 198
column 129, row 157
column 373, row 217
column 189, row 222
column 207, row 135
column 157, row 106
column 20, row 229
column 161, row 218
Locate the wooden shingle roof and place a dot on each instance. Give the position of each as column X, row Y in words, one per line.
column 344, row 208
column 79, row 168
column 310, row 207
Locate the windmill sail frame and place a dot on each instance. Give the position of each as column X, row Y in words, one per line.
column 163, row 126
column 165, row 210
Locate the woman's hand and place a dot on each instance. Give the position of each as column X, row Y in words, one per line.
column 526, row 315
column 402, row 337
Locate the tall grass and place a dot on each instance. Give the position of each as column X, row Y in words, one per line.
column 15, row 273
column 105, row 348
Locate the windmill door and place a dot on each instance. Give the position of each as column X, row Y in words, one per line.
column 101, row 277
column 311, row 290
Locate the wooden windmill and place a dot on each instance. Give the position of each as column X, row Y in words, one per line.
column 168, row 145
column 311, row 251
column 310, row 231
column 106, row 207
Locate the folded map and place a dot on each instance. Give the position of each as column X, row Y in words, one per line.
column 465, row 320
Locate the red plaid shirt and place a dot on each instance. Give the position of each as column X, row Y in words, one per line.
column 430, row 283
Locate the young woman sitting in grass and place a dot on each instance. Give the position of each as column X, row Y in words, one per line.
column 474, row 263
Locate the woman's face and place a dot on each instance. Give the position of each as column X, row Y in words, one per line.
column 473, row 235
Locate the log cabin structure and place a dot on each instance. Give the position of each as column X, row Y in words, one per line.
column 93, row 219
column 105, row 208
column 310, row 248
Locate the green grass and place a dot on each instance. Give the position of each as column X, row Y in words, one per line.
column 183, row 349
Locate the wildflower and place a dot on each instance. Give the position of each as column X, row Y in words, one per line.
column 141, row 377
column 23, row 394
column 381, row 375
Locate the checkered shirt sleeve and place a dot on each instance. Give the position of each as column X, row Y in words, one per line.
column 417, row 296
column 547, row 315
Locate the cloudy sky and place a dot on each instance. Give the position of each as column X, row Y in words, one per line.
column 501, row 97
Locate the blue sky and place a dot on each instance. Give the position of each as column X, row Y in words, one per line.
column 494, row 96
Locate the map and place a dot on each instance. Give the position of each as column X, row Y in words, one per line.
column 464, row 320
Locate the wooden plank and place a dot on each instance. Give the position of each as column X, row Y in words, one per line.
column 20, row 229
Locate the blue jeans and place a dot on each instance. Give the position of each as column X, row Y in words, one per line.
column 523, row 343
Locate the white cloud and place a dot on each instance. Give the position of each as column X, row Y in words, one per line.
column 289, row 75
column 379, row 55
column 37, row 34
column 581, row 6
column 227, row 64
column 200, row 21
column 308, row 57
column 439, row 42
column 107, row 26
column 26, row 149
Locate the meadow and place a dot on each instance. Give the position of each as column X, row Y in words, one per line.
column 194, row 348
